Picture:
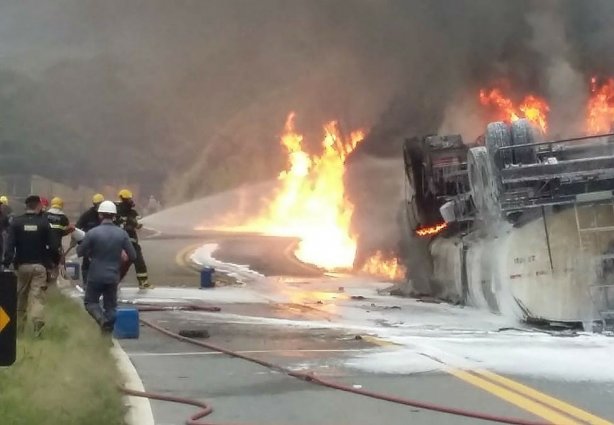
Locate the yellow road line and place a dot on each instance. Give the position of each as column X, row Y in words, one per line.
column 514, row 398
column 544, row 398
column 180, row 258
column 378, row 341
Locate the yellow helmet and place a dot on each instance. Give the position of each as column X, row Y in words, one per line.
column 97, row 198
column 57, row 202
column 4, row 199
column 124, row 194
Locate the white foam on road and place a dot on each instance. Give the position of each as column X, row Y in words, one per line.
column 394, row 361
column 426, row 336
column 222, row 295
column 458, row 337
column 203, row 256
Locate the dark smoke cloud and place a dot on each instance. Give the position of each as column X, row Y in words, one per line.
column 548, row 47
column 188, row 96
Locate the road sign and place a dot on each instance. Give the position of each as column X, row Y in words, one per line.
column 8, row 318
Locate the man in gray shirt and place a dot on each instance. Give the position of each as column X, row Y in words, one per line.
column 104, row 246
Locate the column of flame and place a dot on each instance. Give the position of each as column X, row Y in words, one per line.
column 311, row 202
column 600, row 107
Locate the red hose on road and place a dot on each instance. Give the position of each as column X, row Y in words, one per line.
column 311, row 378
column 206, row 409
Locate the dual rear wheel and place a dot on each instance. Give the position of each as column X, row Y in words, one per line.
column 485, row 162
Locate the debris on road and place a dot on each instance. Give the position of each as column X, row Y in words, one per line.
column 194, row 333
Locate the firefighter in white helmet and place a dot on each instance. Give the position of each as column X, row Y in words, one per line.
column 104, row 245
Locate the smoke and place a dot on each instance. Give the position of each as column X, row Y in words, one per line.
column 548, row 47
column 187, row 98
column 565, row 87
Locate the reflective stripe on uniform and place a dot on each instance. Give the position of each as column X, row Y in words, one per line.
column 58, row 226
column 141, row 275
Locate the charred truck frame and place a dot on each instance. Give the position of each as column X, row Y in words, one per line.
column 513, row 194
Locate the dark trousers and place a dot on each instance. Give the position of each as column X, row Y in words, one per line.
column 105, row 314
column 85, row 267
column 139, row 264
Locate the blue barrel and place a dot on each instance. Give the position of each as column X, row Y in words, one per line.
column 73, row 270
column 126, row 323
column 206, row 277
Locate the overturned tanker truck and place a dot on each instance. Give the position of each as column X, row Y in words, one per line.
column 516, row 224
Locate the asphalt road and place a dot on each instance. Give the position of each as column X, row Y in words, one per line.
column 245, row 393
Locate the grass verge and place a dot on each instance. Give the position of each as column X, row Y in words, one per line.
column 67, row 377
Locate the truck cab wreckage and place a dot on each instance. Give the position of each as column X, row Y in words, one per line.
column 516, row 224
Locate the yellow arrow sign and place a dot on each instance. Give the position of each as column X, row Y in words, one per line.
column 4, row 319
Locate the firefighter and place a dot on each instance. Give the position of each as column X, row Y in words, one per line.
column 88, row 220
column 6, row 215
column 60, row 226
column 59, row 222
column 5, row 208
column 29, row 243
column 128, row 219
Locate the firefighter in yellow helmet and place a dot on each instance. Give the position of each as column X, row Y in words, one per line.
column 88, row 220
column 5, row 208
column 128, row 219
column 6, row 216
column 60, row 227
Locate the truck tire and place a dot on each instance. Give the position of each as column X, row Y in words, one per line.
column 524, row 133
column 498, row 135
column 483, row 192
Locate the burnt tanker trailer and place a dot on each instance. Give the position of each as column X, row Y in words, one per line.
column 516, row 224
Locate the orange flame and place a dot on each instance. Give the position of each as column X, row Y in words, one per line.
column 382, row 266
column 431, row 230
column 600, row 114
column 533, row 108
column 311, row 203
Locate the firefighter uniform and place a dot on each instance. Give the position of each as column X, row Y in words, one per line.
column 30, row 242
column 6, row 215
column 128, row 219
column 60, row 227
column 88, row 220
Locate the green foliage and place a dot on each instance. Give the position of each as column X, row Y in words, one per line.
column 67, row 377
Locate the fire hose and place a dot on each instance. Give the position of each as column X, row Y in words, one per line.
column 308, row 377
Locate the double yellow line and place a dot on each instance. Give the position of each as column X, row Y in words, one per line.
column 551, row 409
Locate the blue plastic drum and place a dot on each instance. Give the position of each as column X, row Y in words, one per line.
column 206, row 277
column 126, row 323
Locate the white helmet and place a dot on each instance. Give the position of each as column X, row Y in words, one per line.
column 107, row 207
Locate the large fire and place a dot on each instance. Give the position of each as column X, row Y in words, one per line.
column 384, row 266
column 533, row 108
column 311, row 202
column 600, row 108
